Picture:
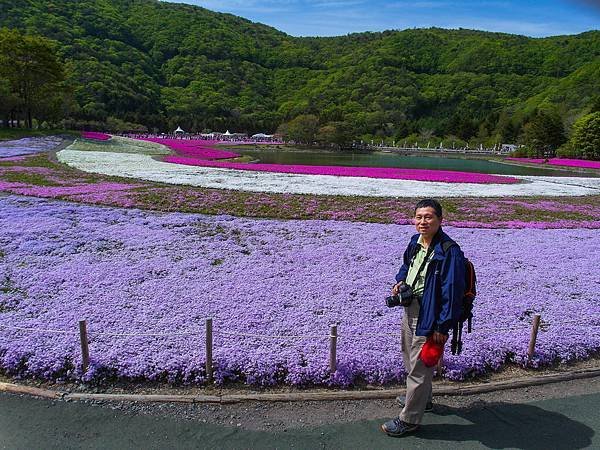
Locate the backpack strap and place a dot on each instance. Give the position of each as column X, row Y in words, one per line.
column 423, row 264
column 447, row 244
column 456, row 342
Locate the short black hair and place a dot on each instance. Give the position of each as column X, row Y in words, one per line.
column 430, row 203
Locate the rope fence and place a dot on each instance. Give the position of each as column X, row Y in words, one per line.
column 333, row 337
column 265, row 336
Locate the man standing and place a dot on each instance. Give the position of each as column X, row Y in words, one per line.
column 434, row 268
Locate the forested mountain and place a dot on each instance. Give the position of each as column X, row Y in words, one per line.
column 165, row 64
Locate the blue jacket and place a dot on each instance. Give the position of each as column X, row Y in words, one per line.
column 444, row 285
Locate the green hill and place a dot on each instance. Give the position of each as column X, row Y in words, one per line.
column 163, row 64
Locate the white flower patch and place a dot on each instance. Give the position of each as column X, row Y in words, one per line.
column 118, row 144
column 143, row 167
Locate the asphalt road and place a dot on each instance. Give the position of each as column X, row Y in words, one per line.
column 566, row 423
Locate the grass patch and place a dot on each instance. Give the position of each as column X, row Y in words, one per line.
column 28, row 178
column 240, row 159
column 39, row 160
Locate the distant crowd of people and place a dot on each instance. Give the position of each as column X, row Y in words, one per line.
column 226, row 137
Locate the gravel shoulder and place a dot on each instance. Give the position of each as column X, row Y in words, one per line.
column 301, row 415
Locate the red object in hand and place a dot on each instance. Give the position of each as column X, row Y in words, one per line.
column 431, row 352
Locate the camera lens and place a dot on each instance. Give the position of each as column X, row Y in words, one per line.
column 392, row 300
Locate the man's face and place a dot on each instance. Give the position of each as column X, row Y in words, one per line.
column 426, row 222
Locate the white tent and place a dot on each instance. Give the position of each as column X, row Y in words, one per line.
column 178, row 130
column 227, row 133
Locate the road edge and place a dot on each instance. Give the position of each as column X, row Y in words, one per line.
column 381, row 394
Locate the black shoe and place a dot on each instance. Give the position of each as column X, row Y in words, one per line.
column 402, row 401
column 397, row 427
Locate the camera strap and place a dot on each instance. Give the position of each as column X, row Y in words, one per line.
column 423, row 264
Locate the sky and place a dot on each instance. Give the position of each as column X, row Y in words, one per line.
column 340, row 17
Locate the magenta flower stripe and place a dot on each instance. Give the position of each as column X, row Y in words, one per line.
column 575, row 163
column 93, row 135
column 194, row 148
column 560, row 162
column 447, row 176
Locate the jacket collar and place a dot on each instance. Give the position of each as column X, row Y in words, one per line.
column 438, row 239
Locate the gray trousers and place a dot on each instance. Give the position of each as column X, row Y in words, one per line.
column 419, row 376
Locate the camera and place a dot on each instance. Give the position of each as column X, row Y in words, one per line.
column 404, row 297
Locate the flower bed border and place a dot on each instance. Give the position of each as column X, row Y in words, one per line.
column 469, row 389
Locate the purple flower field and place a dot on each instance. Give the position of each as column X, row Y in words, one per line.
column 28, row 146
column 129, row 271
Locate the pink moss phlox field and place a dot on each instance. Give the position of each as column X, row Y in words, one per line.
column 95, row 191
column 250, row 142
column 95, row 136
column 520, row 224
column 9, row 185
column 131, row 271
column 586, row 164
column 575, row 163
column 447, row 176
column 13, row 158
column 199, row 149
column 22, row 169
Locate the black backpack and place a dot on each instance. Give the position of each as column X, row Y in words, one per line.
column 466, row 314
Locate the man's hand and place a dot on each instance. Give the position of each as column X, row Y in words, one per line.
column 396, row 287
column 439, row 338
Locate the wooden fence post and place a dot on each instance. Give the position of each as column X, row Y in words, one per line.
column 209, row 350
column 534, row 332
column 333, row 349
column 440, row 366
column 85, row 350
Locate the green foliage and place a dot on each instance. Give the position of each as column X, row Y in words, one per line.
column 585, row 138
column 337, row 133
column 164, row 64
column 31, row 77
column 544, row 133
column 302, row 129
